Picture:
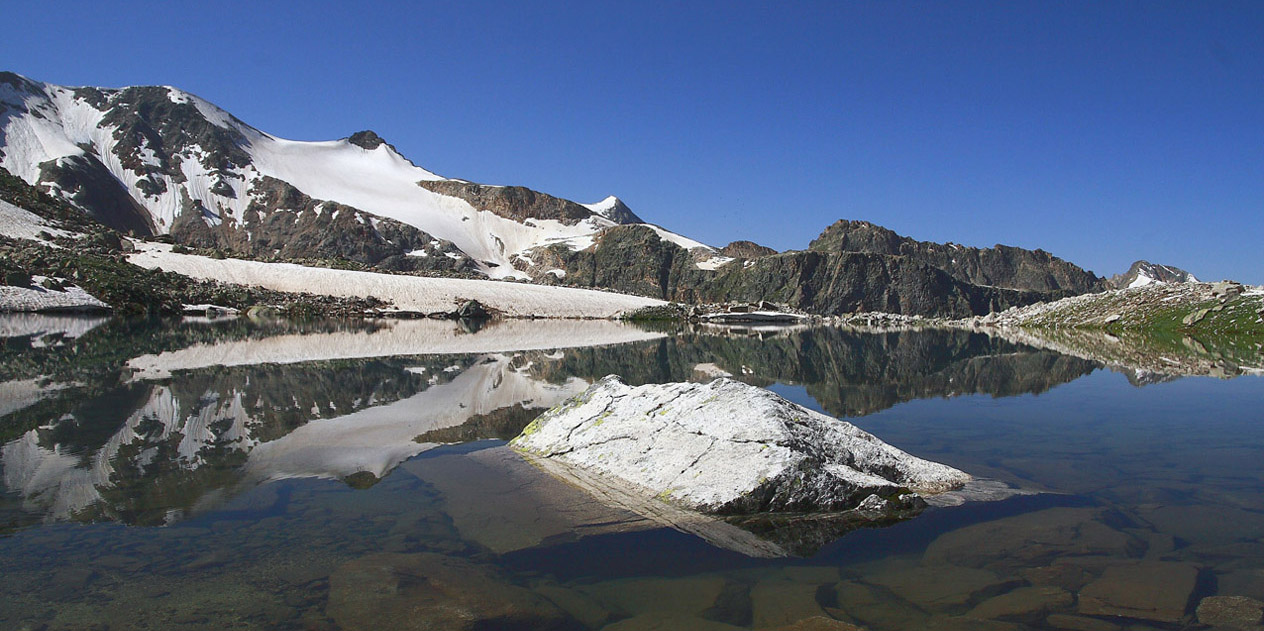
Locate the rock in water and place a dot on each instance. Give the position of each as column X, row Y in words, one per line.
column 726, row 447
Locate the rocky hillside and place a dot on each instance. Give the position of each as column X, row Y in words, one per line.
column 635, row 259
column 156, row 160
column 998, row 266
column 1143, row 273
column 1165, row 328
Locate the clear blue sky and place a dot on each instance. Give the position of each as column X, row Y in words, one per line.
column 1100, row 131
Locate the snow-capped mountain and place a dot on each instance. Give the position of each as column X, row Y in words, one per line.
column 1143, row 273
column 158, row 160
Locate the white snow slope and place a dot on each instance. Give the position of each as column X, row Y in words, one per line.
column 19, row 223
column 58, row 125
column 408, row 293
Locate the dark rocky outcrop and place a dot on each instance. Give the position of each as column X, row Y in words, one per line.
column 746, row 250
column 634, row 259
column 89, row 185
column 512, row 202
column 998, row 266
column 57, row 212
column 368, row 140
column 837, row 283
column 283, row 222
column 148, row 117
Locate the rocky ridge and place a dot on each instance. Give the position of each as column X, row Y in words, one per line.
column 157, row 160
column 154, row 160
column 1144, row 273
column 635, row 259
column 998, row 266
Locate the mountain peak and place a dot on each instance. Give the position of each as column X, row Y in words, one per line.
column 614, row 209
column 1142, row 273
column 368, row 139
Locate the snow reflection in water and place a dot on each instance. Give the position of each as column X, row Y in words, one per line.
column 1155, row 499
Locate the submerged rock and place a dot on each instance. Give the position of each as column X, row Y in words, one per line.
column 1231, row 612
column 431, row 591
column 726, row 447
column 1150, row 590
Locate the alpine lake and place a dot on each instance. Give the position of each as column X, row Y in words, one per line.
column 233, row 474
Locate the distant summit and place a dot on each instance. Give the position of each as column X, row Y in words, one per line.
column 1144, row 273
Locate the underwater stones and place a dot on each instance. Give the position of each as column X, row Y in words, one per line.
column 1244, row 582
column 1031, row 539
column 432, row 591
column 726, row 447
column 818, row 623
column 1149, row 590
column 958, row 623
column 680, row 598
column 779, row 603
column 1023, row 601
column 1231, row 612
column 1079, row 623
column 655, row 622
column 939, row 587
column 875, row 607
column 580, row 606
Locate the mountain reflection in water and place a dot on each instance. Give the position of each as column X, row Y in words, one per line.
column 150, row 438
column 346, row 476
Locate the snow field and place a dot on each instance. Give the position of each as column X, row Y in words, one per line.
column 408, row 293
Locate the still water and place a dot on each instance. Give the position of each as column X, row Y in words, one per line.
column 239, row 475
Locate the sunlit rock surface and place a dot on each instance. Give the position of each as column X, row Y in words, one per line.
column 726, row 447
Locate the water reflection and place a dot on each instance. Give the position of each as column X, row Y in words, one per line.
column 303, row 478
column 198, row 413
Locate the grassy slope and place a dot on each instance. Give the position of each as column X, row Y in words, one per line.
column 1151, row 329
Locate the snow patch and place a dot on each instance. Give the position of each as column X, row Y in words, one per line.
column 19, row 223
column 410, row 293
column 37, row 298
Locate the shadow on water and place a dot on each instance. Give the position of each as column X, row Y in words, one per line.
column 668, row 553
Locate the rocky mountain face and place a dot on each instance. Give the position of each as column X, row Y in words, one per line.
column 634, row 259
column 1143, row 273
column 283, row 222
column 523, row 204
column 155, row 160
column 746, row 250
column 998, row 266
column 847, row 282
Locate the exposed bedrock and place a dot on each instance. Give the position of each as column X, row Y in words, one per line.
column 729, row 448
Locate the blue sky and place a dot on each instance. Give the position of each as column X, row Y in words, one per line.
column 1101, row 132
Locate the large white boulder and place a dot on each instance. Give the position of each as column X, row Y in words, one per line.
column 726, row 447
